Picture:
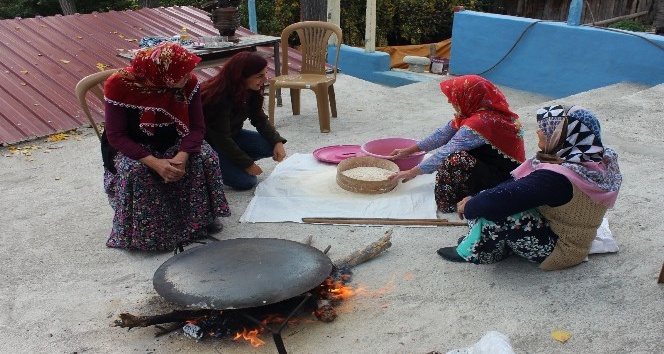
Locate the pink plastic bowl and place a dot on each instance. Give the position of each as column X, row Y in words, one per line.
column 382, row 148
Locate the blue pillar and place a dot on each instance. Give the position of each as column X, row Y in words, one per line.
column 575, row 11
column 253, row 27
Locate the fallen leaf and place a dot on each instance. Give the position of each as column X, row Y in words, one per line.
column 40, row 55
column 23, row 84
column 35, row 104
column 121, row 35
column 65, row 61
column 79, row 37
column 102, row 66
column 561, row 336
column 57, row 178
column 24, row 72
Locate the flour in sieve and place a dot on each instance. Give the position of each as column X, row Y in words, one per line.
column 368, row 173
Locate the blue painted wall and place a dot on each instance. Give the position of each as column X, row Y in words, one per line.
column 552, row 58
column 373, row 67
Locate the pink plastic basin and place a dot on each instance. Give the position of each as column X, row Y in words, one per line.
column 382, row 148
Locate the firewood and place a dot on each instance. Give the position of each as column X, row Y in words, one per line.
column 130, row 321
column 368, row 253
column 325, row 312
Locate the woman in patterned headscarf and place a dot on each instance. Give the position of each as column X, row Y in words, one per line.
column 162, row 180
column 550, row 213
column 476, row 150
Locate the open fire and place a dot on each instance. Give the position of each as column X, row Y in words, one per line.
column 228, row 312
column 242, row 324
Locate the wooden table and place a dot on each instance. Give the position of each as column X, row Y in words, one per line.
column 214, row 57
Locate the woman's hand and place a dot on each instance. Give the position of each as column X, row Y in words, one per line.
column 461, row 205
column 279, row 153
column 164, row 168
column 253, row 170
column 399, row 153
column 406, row 175
column 179, row 161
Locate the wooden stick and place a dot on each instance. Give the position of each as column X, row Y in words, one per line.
column 383, row 221
column 369, row 252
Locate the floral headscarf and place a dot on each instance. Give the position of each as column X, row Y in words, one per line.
column 148, row 85
column 484, row 109
column 573, row 148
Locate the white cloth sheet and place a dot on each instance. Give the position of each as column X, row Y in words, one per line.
column 302, row 187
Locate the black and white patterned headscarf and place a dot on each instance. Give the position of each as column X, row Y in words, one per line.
column 580, row 149
column 581, row 142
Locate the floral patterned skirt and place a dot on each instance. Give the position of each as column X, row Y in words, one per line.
column 451, row 180
column 526, row 234
column 151, row 215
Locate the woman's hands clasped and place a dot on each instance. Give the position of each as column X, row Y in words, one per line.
column 170, row 170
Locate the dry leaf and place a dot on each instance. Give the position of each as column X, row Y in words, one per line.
column 35, row 104
column 24, row 72
column 58, row 137
column 23, row 84
column 102, row 66
column 40, row 55
column 57, row 178
column 121, row 35
column 561, row 336
column 65, row 61
column 79, row 37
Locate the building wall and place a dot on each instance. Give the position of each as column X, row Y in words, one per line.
column 552, row 58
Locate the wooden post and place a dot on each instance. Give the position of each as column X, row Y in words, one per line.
column 370, row 31
column 334, row 16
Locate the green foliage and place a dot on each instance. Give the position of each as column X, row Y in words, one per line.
column 32, row 8
column 630, row 25
column 398, row 22
column 272, row 16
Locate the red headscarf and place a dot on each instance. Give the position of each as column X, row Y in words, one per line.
column 148, row 85
column 484, row 109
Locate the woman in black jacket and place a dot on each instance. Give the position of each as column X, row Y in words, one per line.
column 229, row 99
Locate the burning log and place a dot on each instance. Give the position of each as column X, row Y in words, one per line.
column 130, row 321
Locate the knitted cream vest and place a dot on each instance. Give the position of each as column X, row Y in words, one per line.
column 576, row 225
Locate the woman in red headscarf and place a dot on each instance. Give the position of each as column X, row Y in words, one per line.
column 474, row 151
column 232, row 97
column 162, row 179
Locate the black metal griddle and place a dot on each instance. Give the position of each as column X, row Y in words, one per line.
column 243, row 273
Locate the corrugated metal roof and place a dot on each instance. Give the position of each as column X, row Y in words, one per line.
column 43, row 58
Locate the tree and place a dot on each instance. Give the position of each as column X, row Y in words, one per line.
column 68, row 7
column 659, row 18
column 148, row 3
column 313, row 10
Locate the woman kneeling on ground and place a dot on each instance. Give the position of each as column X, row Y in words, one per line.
column 476, row 150
column 551, row 211
column 230, row 98
column 162, row 179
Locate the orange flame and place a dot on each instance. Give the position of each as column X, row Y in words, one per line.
column 251, row 336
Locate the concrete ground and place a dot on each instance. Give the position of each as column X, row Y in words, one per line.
column 63, row 288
